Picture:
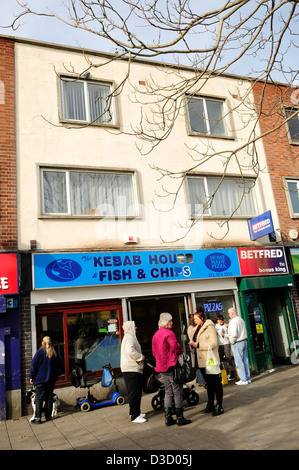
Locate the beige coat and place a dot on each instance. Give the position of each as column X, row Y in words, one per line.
column 206, row 337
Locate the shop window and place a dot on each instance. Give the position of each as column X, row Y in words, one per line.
column 85, row 336
column 256, row 322
column 214, row 196
column 215, row 303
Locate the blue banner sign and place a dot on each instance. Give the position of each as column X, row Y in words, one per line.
column 260, row 225
column 111, row 268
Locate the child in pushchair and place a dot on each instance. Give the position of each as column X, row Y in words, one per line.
column 153, row 383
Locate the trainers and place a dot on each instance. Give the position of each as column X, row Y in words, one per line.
column 143, row 415
column 241, row 382
column 36, row 421
column 139, row 419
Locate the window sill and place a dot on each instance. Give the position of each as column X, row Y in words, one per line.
column 87, row 217
column 209, row 136
column 223, row 217
column 70, row 122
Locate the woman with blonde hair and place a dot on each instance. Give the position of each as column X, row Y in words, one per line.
column 43, row 375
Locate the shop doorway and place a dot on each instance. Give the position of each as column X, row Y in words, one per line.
column 278, row 326
column 146, row 312
column 270, row 325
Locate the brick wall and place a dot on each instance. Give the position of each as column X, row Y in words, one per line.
column 282, row 157
column 8, row 194
column 25, row 346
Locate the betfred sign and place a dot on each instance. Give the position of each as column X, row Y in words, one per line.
column 260, row 225
column 262, row 261
column 9, row 279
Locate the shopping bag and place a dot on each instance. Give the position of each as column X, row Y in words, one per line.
column 212, row 366
column 184, row 372
column 224, row 376
column 107, row 378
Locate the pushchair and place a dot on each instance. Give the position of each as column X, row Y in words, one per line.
column 153, row 383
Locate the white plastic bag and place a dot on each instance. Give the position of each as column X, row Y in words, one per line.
column 212, row 366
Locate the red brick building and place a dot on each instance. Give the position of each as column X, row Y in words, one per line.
column 278, row 112
column 10, row 379
column 8, row 177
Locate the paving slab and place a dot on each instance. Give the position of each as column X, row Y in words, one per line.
column 261, row 416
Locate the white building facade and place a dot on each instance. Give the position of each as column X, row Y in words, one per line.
column 108, row 224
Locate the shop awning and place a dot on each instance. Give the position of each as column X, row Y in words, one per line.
column 265, row 282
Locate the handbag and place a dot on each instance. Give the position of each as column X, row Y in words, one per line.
column 212, row 366
column 184, row 372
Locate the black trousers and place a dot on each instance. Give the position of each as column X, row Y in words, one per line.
column 134, row 381
column 44, row 393
column 214, row 387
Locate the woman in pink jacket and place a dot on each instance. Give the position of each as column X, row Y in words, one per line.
column 166, row 349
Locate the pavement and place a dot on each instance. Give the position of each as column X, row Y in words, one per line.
column 262, row 415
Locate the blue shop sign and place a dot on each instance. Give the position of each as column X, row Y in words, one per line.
column 111, row 268
column 260, row 225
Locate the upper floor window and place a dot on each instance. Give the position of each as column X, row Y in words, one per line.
column 229, row 197
column 206, row 116
column 293, row 125
column 86, row 101
column 293, row 196
column 83, row 193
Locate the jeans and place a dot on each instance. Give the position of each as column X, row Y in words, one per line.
column 44, row 393
column 173, row 391
column 134, row 381
column 200, row 378
column 241, row 359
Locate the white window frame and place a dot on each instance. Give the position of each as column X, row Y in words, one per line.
column 112, row 108
column 204, row 99
column 208, row 212
column 293, row 214
column 68, row 214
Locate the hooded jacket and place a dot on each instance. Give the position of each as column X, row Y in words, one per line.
column 130, row 350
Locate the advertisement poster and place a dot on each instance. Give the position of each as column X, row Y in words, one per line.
column 260, row 226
